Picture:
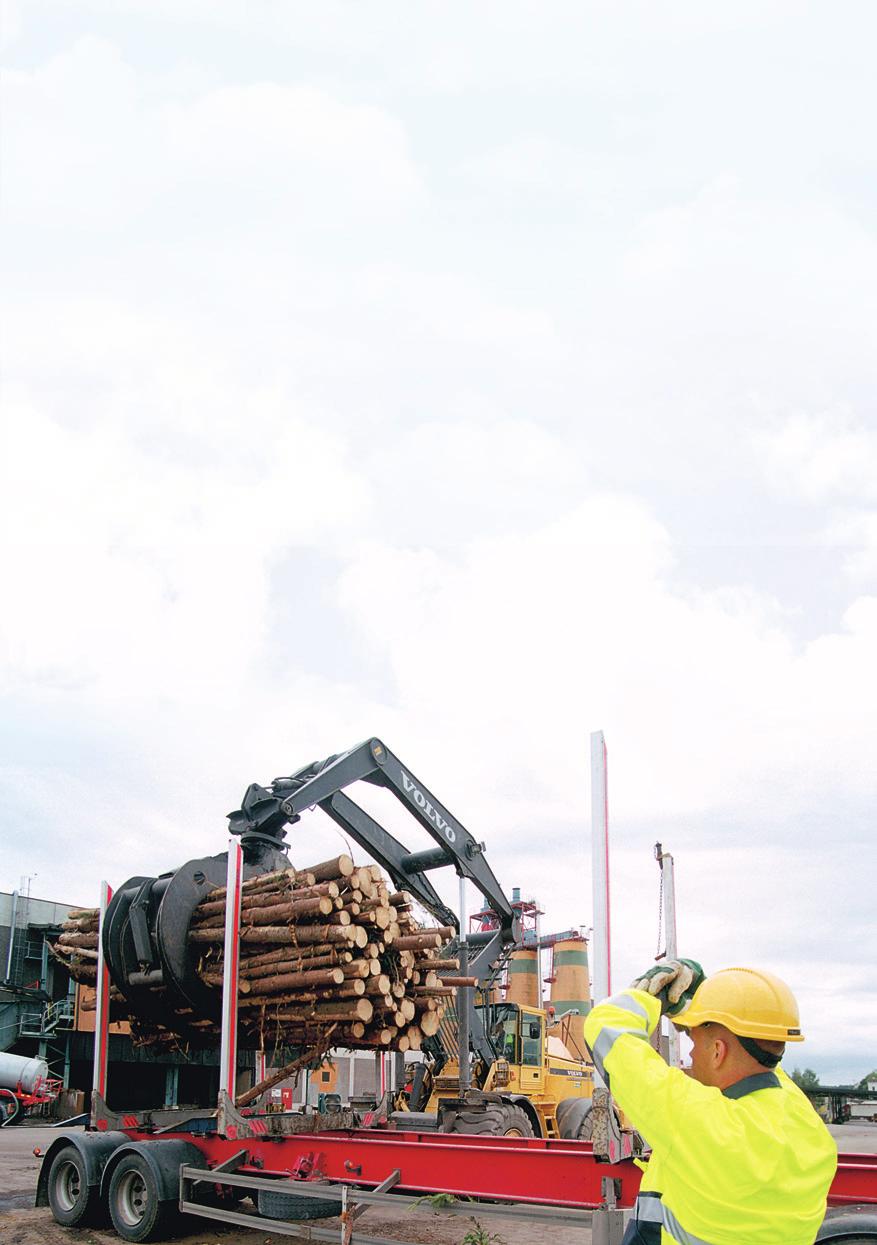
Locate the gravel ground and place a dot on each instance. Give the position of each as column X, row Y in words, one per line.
column 22, row 1224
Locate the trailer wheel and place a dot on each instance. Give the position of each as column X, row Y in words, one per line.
column 496, row 1119
column 136, row 1209
column 73, row 1202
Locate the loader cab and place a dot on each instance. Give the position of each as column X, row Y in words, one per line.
column 517, row 1034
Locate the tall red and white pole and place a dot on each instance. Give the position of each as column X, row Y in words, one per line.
column 228, row 1051
column 601, row 943
column 102, row 1001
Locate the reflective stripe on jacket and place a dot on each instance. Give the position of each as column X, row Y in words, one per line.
column 750, row 1165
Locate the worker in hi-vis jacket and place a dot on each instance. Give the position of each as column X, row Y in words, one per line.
column 739, row 1156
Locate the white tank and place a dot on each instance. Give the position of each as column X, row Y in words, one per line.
column 15, row 1069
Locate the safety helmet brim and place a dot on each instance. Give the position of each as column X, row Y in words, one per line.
column 749, row 1002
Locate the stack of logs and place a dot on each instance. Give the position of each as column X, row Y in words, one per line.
column 330, row 956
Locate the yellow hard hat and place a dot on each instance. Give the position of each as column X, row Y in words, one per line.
column 749, row 1002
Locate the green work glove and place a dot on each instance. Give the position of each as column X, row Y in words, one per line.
column 673, row 982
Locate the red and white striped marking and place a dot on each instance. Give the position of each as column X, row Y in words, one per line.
column 102, row 1002
column 228, row 1055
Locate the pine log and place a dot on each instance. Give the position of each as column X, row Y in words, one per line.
column 77, row 940
column 308, row 934
column 280, row 983
column 428, row 1023
column 250, row 884
column 330, row 870
column 358, row 968
column 331, row 955
column 320, row 905
column 294, row 965
column 331, row 1011
column 418, row 942
column 331, row 889
column 381, row 1037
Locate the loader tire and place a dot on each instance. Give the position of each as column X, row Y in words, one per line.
column 574, row 1119
column 855, row 1229
column 497, row 1119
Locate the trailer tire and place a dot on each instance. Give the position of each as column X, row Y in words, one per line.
column 496, row 1119
column 290, row 1206
column 74, row 1203
column 136, row 1208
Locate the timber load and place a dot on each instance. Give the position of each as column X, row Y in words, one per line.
column 330, row 955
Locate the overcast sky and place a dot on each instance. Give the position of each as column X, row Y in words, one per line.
column 475, row 376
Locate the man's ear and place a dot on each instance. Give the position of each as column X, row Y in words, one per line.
column 721, row 1048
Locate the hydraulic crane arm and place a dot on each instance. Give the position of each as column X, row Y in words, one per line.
column 265, row 811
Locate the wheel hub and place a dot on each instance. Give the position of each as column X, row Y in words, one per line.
column 132, row 1198
column 69, row 1186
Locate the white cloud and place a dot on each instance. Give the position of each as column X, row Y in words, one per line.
column 854, row 536
column 159, row 574
column 10, row 22
column 90, row 139
column 577, row 623
column 821, row 457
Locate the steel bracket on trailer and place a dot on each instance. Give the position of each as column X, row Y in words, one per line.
column 610, row 1142
column 231, row 1123
column 170, row 1119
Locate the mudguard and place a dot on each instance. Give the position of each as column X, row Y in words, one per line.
column 165, row 1158
column 96, row 1150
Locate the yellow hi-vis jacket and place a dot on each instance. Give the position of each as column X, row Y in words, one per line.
column 748, row 1165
